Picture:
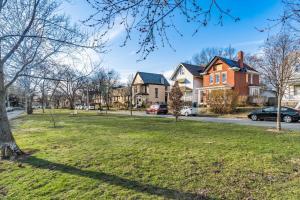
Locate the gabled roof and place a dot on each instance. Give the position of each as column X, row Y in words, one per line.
column 152, row 78
column 195, row 70
column 230, row 63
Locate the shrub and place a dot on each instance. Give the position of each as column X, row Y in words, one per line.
column 223, row 101
column 175, row 100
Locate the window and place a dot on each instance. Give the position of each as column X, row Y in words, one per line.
column 251, row 78
column 135, row 89
column 254, row 91
column 224, row 77
column 297, row 89
column 217, row 78
column 270, row 109
column 219, row 67
column 181, row 72
column 156, row 92
column 211, row 79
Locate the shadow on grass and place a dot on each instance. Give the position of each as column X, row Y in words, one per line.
column 114, row 180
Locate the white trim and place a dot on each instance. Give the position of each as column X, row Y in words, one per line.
column 222, row 77
column 215, row 87
column 218, row 73
column 252, row 72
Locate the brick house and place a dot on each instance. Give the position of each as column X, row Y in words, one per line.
column 223, row 73
column 149, row 88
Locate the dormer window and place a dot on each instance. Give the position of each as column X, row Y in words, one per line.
column 181, row 71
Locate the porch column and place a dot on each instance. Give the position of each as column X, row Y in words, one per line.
column 199, row 97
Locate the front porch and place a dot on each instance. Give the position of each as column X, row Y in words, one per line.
column 203, row 93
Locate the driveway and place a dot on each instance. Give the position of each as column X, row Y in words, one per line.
column 241, row 121
column 14, row 114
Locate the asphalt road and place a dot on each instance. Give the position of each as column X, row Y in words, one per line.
column 241, row 121
column 14, row 114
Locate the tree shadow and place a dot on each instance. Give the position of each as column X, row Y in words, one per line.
column 113, row 180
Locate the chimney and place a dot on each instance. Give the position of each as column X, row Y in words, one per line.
column 241, row 59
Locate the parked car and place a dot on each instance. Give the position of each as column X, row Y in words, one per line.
column 270, row 113
column 9, row 109
column 36, row 107
column 78, row 107
column 188, row 110
column 157, row 109
column 92, row 107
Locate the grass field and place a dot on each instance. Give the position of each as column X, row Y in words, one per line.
column 91, row 156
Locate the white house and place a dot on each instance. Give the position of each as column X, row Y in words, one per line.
column 189, row 79
column 292, row 95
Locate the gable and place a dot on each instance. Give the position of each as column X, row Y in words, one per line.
column 138, row 79
column 180, row 73
column 218, row 65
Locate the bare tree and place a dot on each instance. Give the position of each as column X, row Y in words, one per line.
column 281, row 56
column 176, row 102
column 129, row 91
column 207, row 54
column 28, row 28
column 153, row 19
column 98, row 80
column 112, row 80
column 253, row 60
column 72, row 82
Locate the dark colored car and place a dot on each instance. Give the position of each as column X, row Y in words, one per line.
column 157, row 109
column 270, row 113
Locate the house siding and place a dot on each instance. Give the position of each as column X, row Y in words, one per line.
column 239, row 81
column 146, row 92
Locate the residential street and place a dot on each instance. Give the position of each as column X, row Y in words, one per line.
column 241, row 121
column 14, row 114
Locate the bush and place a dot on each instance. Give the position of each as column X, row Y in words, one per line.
column 222, row 101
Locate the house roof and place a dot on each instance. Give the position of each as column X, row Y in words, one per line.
column 152, row 78
column 195, row 70
column 230, row 63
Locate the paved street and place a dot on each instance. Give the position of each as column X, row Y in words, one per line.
column 14, row 114
column 241, row 121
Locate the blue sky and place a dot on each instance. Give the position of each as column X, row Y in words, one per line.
column 241, row 35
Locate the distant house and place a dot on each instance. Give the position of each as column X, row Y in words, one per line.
column 120, row 95
column 148, row 88
column 189, row 79
column 226, row 74
column 292, row 95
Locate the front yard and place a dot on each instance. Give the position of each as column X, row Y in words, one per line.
column 91, row 156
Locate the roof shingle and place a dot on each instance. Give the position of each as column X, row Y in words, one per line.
column 195, row 70
column 152, row 78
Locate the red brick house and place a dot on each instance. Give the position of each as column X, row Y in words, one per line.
column 223, row 73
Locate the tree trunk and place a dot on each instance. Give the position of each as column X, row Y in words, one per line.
column 43, row 97
column 130, row 105
column 71, row 101
column 278, row 124
column 8, row 146
column 29, row 108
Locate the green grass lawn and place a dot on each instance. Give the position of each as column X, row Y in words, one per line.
column 91, row 156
